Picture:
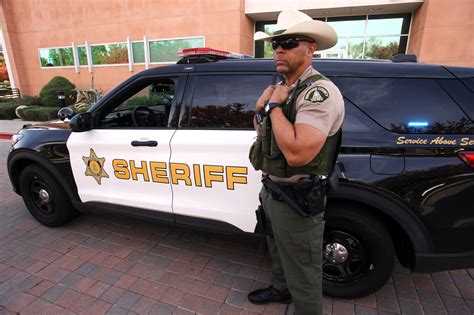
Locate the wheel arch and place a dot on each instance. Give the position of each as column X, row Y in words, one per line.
column 20, row 159
column 403, row 224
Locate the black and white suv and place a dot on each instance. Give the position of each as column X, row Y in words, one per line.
column 172, row 143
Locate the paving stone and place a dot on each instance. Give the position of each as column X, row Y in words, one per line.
column 173, row 296
column 433, row 310
column 117, row 310
column 342, row 307
column 97, row 289
column 410, row 308
column 423, row 283
column 208, row 275
column 455, row 304
column 236, row 298
column 217, row 293
column 232, row 268
column 242, row 284
column 362, row 310
column 163, row 309
column 225, row 280
column 430, row 298
column 405, row 292
column 387, row 303
column 367, row 301
column 41, row 288
column 128, row 299
column 112, row 294
column 53, row 293
column 447, row 288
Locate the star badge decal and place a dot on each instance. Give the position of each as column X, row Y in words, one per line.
column 95, row 166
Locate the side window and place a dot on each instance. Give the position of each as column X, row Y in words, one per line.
column 461, row 93
column 226, row 101
column 406, row 105
column 148, row 105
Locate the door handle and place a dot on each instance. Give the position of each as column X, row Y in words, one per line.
column 147, row 143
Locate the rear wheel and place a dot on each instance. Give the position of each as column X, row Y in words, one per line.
column 358, row 253
column 44, row 197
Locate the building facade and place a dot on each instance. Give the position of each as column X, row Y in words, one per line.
column 100, row 43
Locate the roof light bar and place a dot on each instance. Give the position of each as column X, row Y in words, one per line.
column 186, row 52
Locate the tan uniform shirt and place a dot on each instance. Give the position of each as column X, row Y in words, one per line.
column 320, row 105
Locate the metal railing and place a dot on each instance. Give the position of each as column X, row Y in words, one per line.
column 9, row 93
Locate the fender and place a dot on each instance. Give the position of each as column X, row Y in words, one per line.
column 20, row 156
column 391, row 206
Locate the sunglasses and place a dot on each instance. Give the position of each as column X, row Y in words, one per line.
column 288, row 43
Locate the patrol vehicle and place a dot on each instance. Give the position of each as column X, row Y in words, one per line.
column 171, row 143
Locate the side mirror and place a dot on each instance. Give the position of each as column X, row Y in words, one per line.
column 66, row 113
column 81, row 122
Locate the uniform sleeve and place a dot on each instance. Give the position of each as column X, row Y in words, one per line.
column 321, row 105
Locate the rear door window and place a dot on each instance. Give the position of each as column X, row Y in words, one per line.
column 406, row 105
column 226, row 101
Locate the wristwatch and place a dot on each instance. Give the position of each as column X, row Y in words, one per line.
column 269, row 107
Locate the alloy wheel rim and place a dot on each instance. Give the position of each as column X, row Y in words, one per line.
column 41, row 196
column 344, row 257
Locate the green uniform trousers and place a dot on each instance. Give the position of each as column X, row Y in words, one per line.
column 295, row 249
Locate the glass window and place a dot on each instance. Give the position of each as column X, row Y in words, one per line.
column 56, row 57
column 373, row 34
column 138, row 52
column 355, row 48
column 149, row 105
column 226, row 101
column 348, row 26
column 406, row 105
column 81, row 53
column 109, row 54
column 165, row 50
column 382, row 47
column 384, row 26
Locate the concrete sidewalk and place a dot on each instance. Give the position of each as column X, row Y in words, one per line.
column 10, row 127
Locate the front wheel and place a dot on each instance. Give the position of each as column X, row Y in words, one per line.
column 358, row 253
column 44, row 197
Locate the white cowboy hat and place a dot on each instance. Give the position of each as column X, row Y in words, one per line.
column 293, row 22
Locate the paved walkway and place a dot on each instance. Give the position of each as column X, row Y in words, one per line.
column 103, row 263
column 9, row 127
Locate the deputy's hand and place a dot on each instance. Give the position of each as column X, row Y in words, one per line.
column 280, row 94
column 267, row 93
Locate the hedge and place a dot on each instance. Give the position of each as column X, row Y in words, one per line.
column 36, row 113
column 49, row 92
column 7, row 110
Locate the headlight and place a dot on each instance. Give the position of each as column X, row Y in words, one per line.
column 16, row 138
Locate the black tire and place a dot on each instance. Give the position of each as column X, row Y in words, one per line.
column 370, row 253
column 44, row 197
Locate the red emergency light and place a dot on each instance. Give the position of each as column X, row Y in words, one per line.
column 186, row 52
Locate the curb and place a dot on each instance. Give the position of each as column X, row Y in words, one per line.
column 6, row 135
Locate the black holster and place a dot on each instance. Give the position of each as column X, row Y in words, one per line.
column 263, row 224
column 307, row 197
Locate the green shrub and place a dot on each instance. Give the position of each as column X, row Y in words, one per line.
column 30, row 101
column 7, row 110
column 49, row 92
column 8, row 100
column 36, row 113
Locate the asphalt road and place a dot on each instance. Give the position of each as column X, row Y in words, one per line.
column 102, row 263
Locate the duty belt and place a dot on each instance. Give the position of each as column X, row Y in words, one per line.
column 307, row 197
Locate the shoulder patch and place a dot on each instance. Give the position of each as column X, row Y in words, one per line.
column 317, row 94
